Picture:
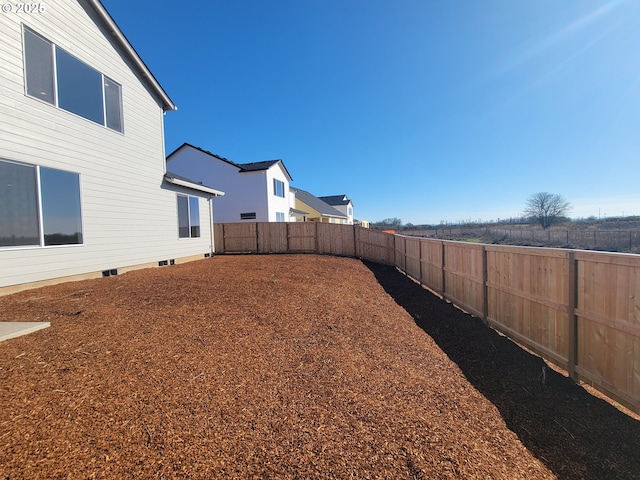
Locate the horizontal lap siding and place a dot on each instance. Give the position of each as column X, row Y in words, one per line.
column 127, row 218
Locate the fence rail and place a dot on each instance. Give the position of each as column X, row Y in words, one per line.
column 609, row 240
column 578, row 309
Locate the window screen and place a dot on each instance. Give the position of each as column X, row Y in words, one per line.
column 194, row 217
column 39, row 67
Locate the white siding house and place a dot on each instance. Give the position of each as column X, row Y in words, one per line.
column 342, row 203
column 83, row 190
column 254, row 192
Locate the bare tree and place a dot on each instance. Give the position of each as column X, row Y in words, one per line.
column 546, row 208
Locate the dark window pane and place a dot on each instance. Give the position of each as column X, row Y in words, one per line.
column 38, row 66
column 79, row 87
column 183, row 217
column 61, row 214
column 113, row 104
column 18, row 205
column 194, row 217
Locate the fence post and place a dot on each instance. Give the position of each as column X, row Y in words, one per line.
column 572, row 357
column 224, row 249
column 485, row 293
column 444, row 290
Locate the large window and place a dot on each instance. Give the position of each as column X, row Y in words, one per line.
column 39, row 206
column 58, row 78
column 188, row 217
column 278, row 187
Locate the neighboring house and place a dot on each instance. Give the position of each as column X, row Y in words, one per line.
column 316, row 210
column 342, row 204
column 83, row 190
column 254, row 192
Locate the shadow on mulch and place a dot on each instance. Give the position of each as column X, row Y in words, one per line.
column 575, row 434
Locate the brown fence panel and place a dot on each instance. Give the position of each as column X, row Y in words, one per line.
column 400, row 256
column 336, row 239
column 218, row 237
column 412, row 257
column 608, row 311
column 302, row 237
column 431, row 256
column 272, row 237
column 528, row 294
column 463, row 275
column 240, row 237
column 375, row 245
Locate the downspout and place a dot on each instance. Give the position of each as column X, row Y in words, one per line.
column 211, row 245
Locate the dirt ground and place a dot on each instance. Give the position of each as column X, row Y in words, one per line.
column 286, row 366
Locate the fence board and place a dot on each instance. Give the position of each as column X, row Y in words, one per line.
column 273, row 237
column 463, row 267
column 302, row 237
column 375, row 245
column 412, row 258
column 240, row 237
column 529, row 294
column 336, row 239
column 608, row 311
column 431, row 261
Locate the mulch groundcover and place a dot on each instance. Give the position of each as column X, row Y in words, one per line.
column 286, row 366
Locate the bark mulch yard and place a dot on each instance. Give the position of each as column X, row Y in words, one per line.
column 286, row 366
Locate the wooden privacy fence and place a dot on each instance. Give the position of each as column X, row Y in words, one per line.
column 579, row 309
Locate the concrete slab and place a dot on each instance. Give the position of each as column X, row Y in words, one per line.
column 17, row 329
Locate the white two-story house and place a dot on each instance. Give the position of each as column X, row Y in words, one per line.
column 342, row 203
column 84, row 190
column 254, row 192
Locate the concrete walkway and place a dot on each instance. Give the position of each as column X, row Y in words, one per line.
column 17, row 329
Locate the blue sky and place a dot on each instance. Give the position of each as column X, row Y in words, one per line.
column 424, row 110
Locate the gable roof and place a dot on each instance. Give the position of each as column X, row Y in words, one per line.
column 336, row 200
column 112, row 27
column 243, row 167
column 315, row 203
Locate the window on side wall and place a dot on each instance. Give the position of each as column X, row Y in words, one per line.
column 278, row 188
column 57, row 77
column 248, row 216
column 39, row 206
column 279, row 217
column 188, row 217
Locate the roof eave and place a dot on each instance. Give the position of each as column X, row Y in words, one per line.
column 167, row 103
column 193, row 186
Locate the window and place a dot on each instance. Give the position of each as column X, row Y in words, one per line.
column 349, row 211
column 188, row 217
column 279, row 217
column 248, row 216
column 58, row 78
column 278, row 188
column 39, row 206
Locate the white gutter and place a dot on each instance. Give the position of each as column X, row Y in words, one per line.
column 132, row 54
column 193, row 186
